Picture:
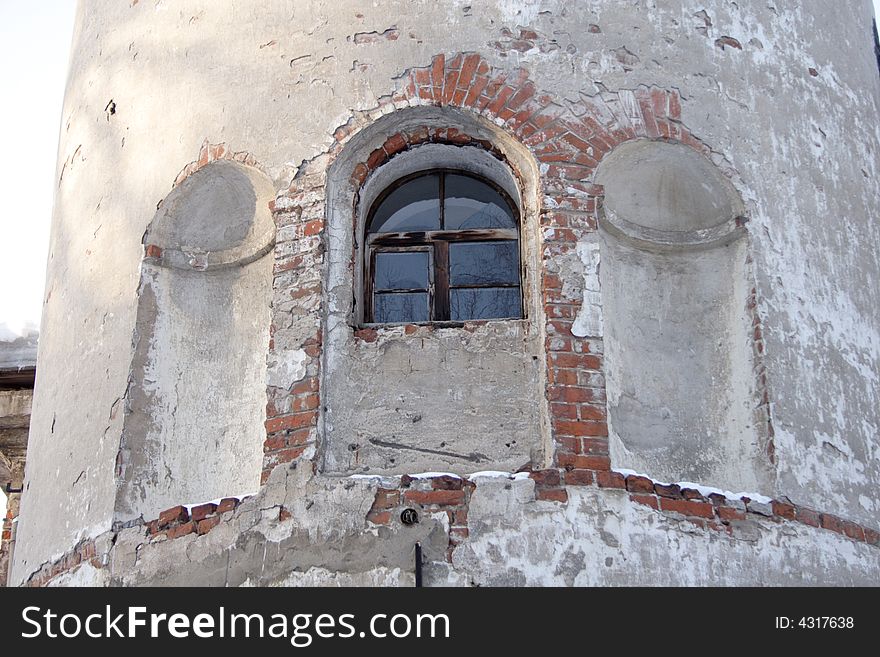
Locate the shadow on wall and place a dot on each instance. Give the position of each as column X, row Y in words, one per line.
column 194, row 428
column 683, row 396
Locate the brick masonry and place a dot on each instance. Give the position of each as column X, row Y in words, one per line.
column 451, row 496
column 568, row 140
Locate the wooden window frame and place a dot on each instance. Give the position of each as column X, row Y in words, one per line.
column 436, row 243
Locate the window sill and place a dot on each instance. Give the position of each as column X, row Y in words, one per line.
column 369, row 332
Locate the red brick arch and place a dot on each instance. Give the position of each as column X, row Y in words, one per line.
column 568, row 141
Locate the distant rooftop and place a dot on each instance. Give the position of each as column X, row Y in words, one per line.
column 18, row 357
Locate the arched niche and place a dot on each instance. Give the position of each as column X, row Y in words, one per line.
column 429, row 398
column 680, row 364
column 194, row 424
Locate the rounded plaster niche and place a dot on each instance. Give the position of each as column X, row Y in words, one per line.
column 679, row 361
column 217, row 217
column 198, row 375
column 667, row 195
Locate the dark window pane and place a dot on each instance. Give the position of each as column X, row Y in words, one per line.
column 474, row 204
column 390, row 308
column 484, row 263
column 401, row 270
column 485, row 303
column 414, row 206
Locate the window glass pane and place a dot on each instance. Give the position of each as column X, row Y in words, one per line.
column 485, row 303
column 414, row 206
column 406, row 270
column 410, row 307
column 484, row 263
column 474, row 204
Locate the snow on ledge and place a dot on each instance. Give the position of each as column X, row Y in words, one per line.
column 190, row 507
column 705, row 491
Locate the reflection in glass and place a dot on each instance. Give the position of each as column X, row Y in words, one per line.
column 470, row 203
column 398, row 307
column 485, row 303
column 414, row 206
column 484, row 263
column 407, row 270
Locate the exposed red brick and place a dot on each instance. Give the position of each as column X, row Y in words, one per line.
column 367, row 335
column 691, row 494
column 552, row 494
column 832, row 523
column 784, row 510
column 728, row 514
column 475, row 92
column 172, row 515
column 360, row 173
column 181, row 530
column 379, row 517
column 592, row 413
column 808, row 517
column 207, row 524
column 594, row 446
column 386, row 498
column 434, row 497
column 647, row 500
column 608, row 479
column 672, row 491
column 564, row 411
column 376, row 158
column 227, row 504
column 275, row 441
column 313, row 227
column 659, row 103
column 570, row 394
column 293, row 421
column 468, row 69
column 306, row 403
column 304, row 386
column 584, row 361
column 437, row 77
column 687, row 507
column 446, row 483
column 202, row 511
column 458, row 534
column 674, row 105
column 394, row 144
column 584, row 462
column 288, row 455
column 153, row 251
column 581, row 428
column 546, row 477
column 854, row 531
column 636, row 484
column 459, row 516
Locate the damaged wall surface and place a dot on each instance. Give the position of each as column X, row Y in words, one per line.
column 292, row 94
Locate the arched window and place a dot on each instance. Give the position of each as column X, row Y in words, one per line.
column 442, row 246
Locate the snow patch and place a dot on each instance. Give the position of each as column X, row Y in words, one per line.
column 190, row 507
column 705, row 491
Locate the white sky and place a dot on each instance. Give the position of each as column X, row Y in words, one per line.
column 34, row 46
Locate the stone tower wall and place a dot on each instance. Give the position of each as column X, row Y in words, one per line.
column 304, row 103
